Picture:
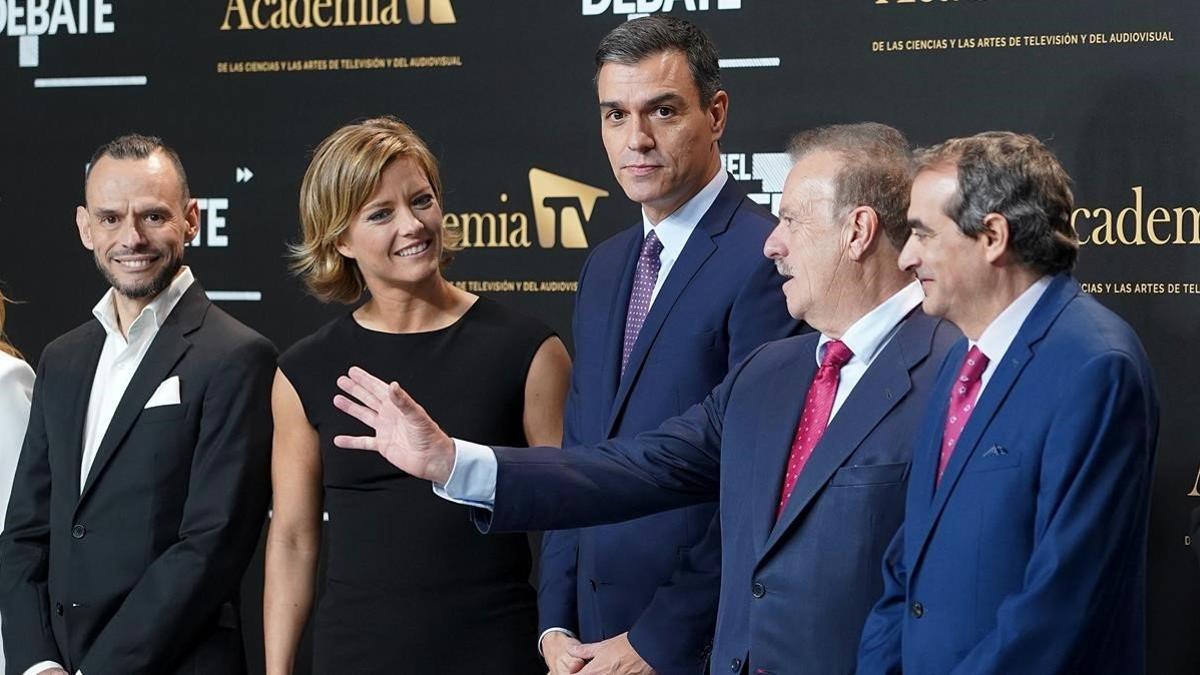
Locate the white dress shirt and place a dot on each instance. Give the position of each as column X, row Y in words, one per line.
column 675, row 230
column 868, row 336
column 998, row 336
column 16, row 389
column 119, row 360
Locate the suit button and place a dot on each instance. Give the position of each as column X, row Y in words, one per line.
column 58, row 608
column 78, row 531
column 758, row 590
column 918, row 610
column 735, row 665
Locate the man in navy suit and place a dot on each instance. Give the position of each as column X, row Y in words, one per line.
column 664, row 310
column 806, row 443
column 1024, row 545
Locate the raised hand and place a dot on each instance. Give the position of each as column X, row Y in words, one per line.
column 404, row 433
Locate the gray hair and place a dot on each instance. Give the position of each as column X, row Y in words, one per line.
column 1016, row 176
column 876, row 170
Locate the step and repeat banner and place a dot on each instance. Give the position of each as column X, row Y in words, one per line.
column 503, row 92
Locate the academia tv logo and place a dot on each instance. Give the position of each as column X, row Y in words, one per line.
column 291, row 14
column 561, row 207
column 635, row 8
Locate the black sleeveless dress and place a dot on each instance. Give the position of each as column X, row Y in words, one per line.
column 410, row 585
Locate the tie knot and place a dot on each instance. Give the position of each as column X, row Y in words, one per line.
column 651, row 246
column 973, row 366
column 836, row 354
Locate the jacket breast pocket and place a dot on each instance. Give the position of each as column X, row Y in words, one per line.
column 993, row 458
column 163, row 413
column 872, row 474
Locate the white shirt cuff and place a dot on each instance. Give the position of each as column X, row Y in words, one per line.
column 553, row 630
column 43, row 665
column 472, row 480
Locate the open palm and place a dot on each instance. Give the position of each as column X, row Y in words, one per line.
column 404, row 433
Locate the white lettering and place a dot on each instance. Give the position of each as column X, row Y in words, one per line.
column 216, row 221
column 594, row 7
column 64, row 15
column 103, row 9
column 15, row 14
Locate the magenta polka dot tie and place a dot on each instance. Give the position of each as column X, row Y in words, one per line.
column 818, row 404
column 962, row 402
column 644, row 279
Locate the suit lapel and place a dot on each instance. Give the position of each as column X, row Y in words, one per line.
column 82, row 369
column 886, row 382
column 1019, row 354
column 168, row 347
column 780, row 408
column 700, row 246
column 614, row 341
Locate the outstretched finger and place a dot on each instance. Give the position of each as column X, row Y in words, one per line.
column 376, row 386
column 355, row 442
column 356, row 410
column 403, row 402
column 360, row 392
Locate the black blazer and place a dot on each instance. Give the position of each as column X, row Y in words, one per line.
column 140, row 573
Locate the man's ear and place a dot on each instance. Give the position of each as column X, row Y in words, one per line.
column 191, row 216
column 718, row 113
column 994, row 236
column 84, row 224
column 864, row 230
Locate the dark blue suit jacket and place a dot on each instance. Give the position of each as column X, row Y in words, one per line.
column 1030, row 557
column 720, row 300
column 794, row 592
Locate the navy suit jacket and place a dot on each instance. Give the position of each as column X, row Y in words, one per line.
column 794, row 592
column 720, row 300
column 1030, row 556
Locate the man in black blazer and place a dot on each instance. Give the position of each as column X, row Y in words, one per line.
column 143, row 481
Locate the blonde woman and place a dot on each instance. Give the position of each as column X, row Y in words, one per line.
column 410, row 586
column 16, row 389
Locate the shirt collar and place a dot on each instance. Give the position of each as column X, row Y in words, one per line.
column 867, row 336
column 154, row 313
column 1000, row 333
column 674, row 230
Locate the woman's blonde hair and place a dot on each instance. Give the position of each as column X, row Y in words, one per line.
column 5, row 345
column 342, row 176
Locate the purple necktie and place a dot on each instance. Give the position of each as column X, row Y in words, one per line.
column 639, row 298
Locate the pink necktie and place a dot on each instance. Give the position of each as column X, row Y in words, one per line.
column 962, row 402
column 644, row 279
column 817, row 406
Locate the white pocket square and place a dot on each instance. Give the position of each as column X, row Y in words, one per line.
column 166, row 394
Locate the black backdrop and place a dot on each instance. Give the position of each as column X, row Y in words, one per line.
column 503, row 92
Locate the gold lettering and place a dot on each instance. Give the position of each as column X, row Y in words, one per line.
column 519, row 237
column 390, row 16
column 1075, row 216
column 473, row 222
column 1106, row 228
column 320, row 19
column 1195, row 213
column 1136, row 211
column 296, row 21
column 1195, row 486
column 1153, row 220
column 240, row 7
